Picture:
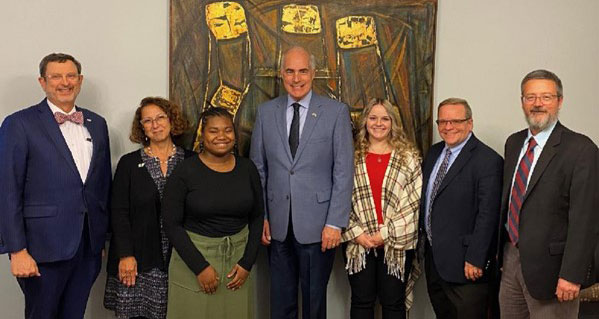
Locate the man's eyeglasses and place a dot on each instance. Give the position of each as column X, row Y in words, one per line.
column 160, row 120
column 545, row 98
column 452, row 122
column 71, row 77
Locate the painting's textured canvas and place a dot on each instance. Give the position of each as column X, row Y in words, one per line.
column 228, row 53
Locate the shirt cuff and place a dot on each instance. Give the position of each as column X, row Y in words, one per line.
column 333, row 226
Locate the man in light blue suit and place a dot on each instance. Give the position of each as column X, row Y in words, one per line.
column 302, row 147
column 54, row 188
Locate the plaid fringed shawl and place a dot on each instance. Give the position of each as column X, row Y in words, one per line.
column 400, row 200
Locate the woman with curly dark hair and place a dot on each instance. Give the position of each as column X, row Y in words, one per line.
column 213, row 215
column 139, row 250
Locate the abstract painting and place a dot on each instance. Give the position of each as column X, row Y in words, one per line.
column 228, row 54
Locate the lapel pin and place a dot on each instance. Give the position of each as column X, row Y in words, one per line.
column 89, row 120
column 314, row 114
column 141, row 164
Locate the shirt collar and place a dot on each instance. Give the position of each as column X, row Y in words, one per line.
column 54, row 108
column 304, row 102
column 541, row 137
column 458, row 148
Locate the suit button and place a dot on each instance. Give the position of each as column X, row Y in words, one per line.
column 291, row 172
column 287, row 197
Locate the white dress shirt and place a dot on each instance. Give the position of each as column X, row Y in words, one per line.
column 78, row 140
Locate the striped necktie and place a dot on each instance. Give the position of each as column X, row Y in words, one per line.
column 518, row 191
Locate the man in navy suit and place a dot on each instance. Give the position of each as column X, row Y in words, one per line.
column 302, row 147
column 54, row 187
column 459, row 214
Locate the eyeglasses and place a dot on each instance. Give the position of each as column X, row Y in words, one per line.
column 71, row 77
column 452, row 122
column 160, row 120
column 545, row 98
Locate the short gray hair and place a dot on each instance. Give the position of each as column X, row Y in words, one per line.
column 543, row 75
column 297, row 47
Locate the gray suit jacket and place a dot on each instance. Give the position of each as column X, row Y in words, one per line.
column 317, row 184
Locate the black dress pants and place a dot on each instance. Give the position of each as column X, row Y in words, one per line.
column 373, row 281
column 453, row 300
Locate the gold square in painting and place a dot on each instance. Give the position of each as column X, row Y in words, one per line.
column 301, row 19
column 226, row 20
column 356, row 32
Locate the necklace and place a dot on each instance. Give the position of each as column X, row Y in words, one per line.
column 380, row 153
column 173, row 150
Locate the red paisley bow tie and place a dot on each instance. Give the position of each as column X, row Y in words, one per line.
column 76, row 117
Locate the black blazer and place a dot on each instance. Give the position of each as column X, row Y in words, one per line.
column 558, row 218
column 135, row 216
column 465, row 211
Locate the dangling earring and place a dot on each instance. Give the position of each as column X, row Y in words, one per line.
column 201, row 147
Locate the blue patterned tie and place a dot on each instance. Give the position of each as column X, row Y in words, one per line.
column 438, row 180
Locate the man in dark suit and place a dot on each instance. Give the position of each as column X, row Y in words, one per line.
column 459, row 213
column 302, row 147
column 548, row 224
column 54, row 185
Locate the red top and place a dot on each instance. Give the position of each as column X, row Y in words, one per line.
column 376, row 165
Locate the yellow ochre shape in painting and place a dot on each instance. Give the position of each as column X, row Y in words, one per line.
column 301, row 19
column 226, row 20
column 356, row 32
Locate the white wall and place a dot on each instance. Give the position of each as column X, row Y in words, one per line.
column 484, row 48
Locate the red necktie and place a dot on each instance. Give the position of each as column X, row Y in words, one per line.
column 518, row 191
column 76, row 117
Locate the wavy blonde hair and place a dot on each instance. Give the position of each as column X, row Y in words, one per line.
column 397, row 137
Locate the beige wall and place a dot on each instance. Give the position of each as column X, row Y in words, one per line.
column 484, row 48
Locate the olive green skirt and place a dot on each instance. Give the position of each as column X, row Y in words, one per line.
column 185, row 297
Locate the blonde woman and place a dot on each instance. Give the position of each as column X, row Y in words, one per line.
column 382, row 232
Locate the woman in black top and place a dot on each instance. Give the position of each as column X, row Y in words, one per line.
column 139, row 251
column 213, row 214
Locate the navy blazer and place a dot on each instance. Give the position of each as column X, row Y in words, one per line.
column 465, row 211
column 317, row 183
column 44, row 201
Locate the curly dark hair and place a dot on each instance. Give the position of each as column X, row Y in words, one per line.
column 216, row 112
column 174, row 112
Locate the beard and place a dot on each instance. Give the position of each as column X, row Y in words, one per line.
column 540, row 121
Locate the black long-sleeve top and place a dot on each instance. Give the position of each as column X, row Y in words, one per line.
column 135, row 215
column 212, row 204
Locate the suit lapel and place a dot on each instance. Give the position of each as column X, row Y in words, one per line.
column 53, row 130
column 427, row 169
column 432, row 157
column 311, row 119
column 458, row 164
column 512, row 155
column 281, row 123
column 547, row 154
column 92, row 128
